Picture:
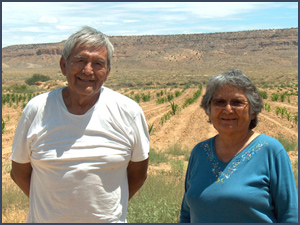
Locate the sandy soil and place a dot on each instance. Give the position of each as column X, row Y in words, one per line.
column 188, row 127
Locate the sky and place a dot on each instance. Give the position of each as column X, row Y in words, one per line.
column 50, row 22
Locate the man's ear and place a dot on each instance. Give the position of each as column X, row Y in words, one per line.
column 62, row 64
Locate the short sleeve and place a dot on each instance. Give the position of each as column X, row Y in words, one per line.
column 20, row 147
column 141, row 138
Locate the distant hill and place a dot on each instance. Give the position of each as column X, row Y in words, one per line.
column 255, row 52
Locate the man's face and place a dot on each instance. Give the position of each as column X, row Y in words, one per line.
column 86, row 70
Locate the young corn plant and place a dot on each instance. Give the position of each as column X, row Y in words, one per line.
column 174, row 108
column 267, row 107
column 296, row 118
column 137, row 98
column 282, row 97
column 263, row 94
column 283, row 112
column 275, row 97
column 170, row 97
column 150, row 128
column 162, row 120
column 177, row 93
column 278, row 110
column 288, row 115
column 146, row 98
column 3, row 125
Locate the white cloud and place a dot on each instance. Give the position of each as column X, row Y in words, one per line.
column 60, row 19
column 109, row 23
column 62, row 27
column 48, row 19
column 30, row 29
column 130, row 21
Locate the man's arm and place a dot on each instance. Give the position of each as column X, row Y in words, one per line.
column 137, row 174
column 21, row 175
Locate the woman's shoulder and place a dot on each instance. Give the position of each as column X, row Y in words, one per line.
column 270, row 141
column 270, row 144
column 205, row 145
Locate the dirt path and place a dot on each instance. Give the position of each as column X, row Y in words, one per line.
column 188, row 127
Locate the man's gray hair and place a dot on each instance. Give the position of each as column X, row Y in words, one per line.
column 236, row 78
column 90, row 37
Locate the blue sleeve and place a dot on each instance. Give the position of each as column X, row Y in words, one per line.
column 283, row 188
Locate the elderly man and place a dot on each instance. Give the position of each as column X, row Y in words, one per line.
column 81, row 152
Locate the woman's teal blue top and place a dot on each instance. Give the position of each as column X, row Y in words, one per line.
column 256, row 186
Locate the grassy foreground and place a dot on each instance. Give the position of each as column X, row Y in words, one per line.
column 158, row 201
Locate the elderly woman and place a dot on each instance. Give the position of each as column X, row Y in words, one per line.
column 238, row 176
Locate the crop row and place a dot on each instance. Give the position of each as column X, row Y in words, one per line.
column 17, row 98
column 283, row 113
column 277, row 96
column 176, row 108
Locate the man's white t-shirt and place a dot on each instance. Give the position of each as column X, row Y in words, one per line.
column 80, row 161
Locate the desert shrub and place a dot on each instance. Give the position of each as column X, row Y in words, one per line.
column 19, row 88
column 36, row 77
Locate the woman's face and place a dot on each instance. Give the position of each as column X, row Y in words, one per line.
column 230, row 111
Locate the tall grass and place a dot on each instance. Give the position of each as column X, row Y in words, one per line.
column 289, row 145
column 15, row 204
column 156, row 157
column 158, row 201
column 176, row 149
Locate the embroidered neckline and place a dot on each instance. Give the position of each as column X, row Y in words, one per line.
column 220, row 175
